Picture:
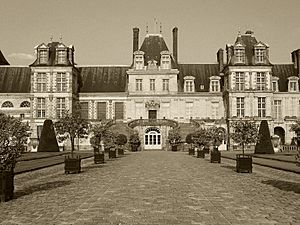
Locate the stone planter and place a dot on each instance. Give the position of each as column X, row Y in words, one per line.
column 112, row 154
column 134, row 148
column 200, row 154
column 215, row 156
column 98, row 158
column 191, row 151
column 243, row 163
column 72, row 164
column 174, row 148
column 120, row 151
column 6, row 185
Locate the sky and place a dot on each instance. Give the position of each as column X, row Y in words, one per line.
column 101, row 30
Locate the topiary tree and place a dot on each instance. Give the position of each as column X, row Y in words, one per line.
column 48, row 142
column 264, row 144
column 188, row 139
column 244, row 132
column 202, row 137
column 134, row 141
column 174, row 138
column 121, row 139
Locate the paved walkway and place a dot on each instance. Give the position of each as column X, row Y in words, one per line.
column 155, row 188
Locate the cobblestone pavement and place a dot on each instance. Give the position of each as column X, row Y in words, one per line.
column 155, row 188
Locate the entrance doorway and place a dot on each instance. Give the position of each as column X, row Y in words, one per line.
column 152, row 114
column 281, row 133
column 152, row 138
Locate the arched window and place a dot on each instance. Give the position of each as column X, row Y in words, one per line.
column 7, row 104
column 25, row 104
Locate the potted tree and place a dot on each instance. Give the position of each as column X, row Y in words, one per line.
column 244, row 133
column 217, row 137
column 121, row 140
column 189, row 140
column 296, row 128
column 174, row 139
column 72, row 126
column 201, row 138
column 109, row 139
column 134, row 142
column 13, row 138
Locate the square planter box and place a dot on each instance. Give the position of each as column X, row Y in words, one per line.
column 6, row 185
column 120, row 151
column 174, row 148
column 243, row 163
column 72, row 164
column 112, row 154
column 215, row 156
column 200, row 154
column 191, row 151
column 134, row 148
column 98, row 158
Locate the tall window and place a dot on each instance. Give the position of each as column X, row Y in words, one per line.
column 60, row 107
column 259, row 55
column 41, row 108
column 43, row 54
column 139, row 85
column 240, row 106
column 214, row 85
column 101, row 110
column 152, row 84
column 84, row 110
column 61, row 82
column 293, row 86
column 165, row 62
column 277, row 109
column 261, row 107
column 139, row 62
column 165, row 84
column 239, row 81
column 41, row 82
column 189, row 86
column 240, row 55
column 119, row 110
column 274, row 86
column 61, row 56
column 260, row 81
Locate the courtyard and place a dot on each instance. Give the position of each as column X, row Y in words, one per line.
column 154, row 188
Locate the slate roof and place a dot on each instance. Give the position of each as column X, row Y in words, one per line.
column 283, row 71
column 201, row 72
column 103, row 78
column 3, row 61
column 14, row 79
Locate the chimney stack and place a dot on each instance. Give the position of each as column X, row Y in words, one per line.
column 135, row 39
column 229, row 52
column 296, row 60
column 175, row 43
column 220, row 58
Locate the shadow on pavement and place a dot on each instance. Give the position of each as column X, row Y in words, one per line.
column 40, row 187
column 284, row 185
column 229, row 167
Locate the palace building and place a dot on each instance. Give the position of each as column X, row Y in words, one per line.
column 156, row 92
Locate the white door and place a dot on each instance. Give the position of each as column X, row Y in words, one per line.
column 152, row 138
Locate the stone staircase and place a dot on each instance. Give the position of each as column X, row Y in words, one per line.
column 185, row 129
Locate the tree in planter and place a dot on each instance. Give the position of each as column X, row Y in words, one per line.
column 13, row 138
column 109, row 139
column 121, row 140
column 174, row 139
column 134, row 141
column 296, row 128
column 264, row 144
column 201, row 138
column 48, row 142
column 217, row 135
column 189, row 140
column 244, row 132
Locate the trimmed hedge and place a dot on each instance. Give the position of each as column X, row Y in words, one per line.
column 264, row 144
column 48, row 142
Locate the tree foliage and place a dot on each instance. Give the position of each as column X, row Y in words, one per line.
column 174, row 137
column 244, row 132
column 134, row 140
column 71, row 125
column 13, row 138
column 121, row 139
column 202, row 137
column 48, row 142
column 264, row 144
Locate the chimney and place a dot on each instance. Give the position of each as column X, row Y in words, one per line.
column 220, row 58
column 175, row 43
column 229, row 52
column 296, row 60
column 135, row 39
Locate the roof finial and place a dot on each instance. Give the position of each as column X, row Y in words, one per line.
column 147, row 28
column 155, row 26
column 60, row 37
column 51, row 38
column 160, row 28
column 239, row 32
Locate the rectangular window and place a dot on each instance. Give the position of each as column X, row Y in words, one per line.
column 84, row 110
column 239, row 81
column 139, row 84
column 139, row 62
column 240, row 106
column 259, row 55
column 240, row 55
column 43, row 56
column 165, row 62
column 262, row 107
column 260, row 81
column 152, row 84
column 214, row 86
column 189, row 85
column 119, row 110
column 61, row 56
column 101, row 110
column 293, row 86
column 60, row 107
column 61, row 82
column 165, row 84
column 277, row 109
column 274, row 86
column 41, row 108
column 41, row 82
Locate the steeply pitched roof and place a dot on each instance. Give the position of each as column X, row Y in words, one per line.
column 14, row 79
column 283, row 72
column 201, row 72
column 3, row 61
column 103, row 78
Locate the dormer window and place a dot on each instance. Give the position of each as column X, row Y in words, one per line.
column 293, row 84
column 61, row 56
column 214, row 84
column 139, row 60
column 239, row 52
column 189, row 84
column 260, row 55
column 43, row 56
column 165, row 60
column 275, row 84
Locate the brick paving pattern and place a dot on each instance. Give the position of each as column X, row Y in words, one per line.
column 155, row 188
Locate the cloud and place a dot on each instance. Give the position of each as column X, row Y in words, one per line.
column 21, row 56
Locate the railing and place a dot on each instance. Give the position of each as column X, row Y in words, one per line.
column 290, row 148
column 153, row 122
